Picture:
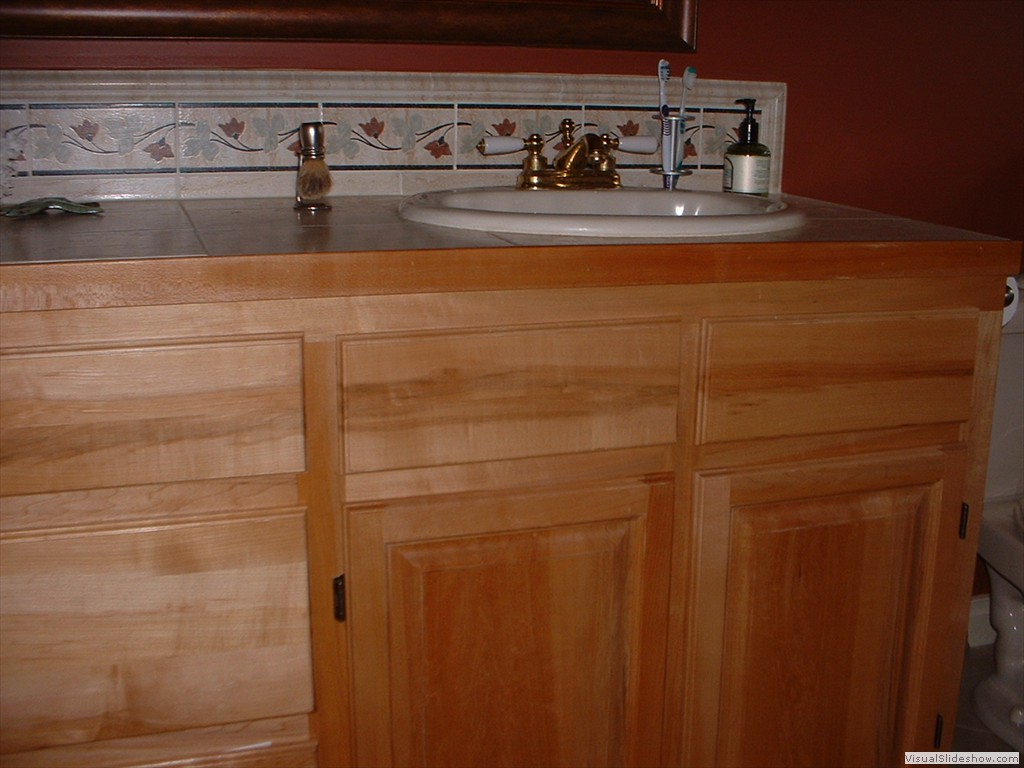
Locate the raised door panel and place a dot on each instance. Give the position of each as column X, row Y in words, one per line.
column 102, row 418
column 813, row 599
column 514, row 630
column 433, row 400
column 768, row 378
column 118, row 632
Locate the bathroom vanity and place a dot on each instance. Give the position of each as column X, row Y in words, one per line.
column 353, row 491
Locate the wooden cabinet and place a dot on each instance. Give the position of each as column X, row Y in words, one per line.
column 619, row 525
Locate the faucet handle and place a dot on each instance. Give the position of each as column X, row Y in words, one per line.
column 500, row 145
column 535, row 165
column 641, row 145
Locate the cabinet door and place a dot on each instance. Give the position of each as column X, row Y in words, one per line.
column 814, row 587
column 512, row 630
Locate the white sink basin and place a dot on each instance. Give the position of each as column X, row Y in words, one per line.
column 601, row 212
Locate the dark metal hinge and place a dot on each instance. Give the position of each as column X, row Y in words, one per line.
column 339, row 597
column 965, row 511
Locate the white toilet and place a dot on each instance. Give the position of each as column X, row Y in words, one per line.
column 999, row 699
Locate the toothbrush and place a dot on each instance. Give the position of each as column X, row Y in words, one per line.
column 689, row 80
column 664, row 75
column 666, row 142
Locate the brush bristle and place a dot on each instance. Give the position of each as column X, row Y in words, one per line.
column 314, row 179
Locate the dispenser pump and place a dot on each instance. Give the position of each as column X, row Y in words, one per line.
column 749, row 127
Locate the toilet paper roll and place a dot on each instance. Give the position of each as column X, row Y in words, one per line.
column 1013, row 288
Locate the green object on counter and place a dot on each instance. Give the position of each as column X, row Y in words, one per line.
column 32, row 207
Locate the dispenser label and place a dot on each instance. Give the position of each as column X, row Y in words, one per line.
column 747, row 174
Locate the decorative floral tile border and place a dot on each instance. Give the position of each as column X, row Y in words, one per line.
column 127, row 135
column 390, row 136
column 97, row 139
column 228, row 137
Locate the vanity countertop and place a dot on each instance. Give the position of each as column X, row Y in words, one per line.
column 147, row 252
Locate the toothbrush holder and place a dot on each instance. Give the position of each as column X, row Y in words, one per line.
column 673, row 133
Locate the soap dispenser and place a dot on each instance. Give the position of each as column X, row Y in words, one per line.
column 747, row 163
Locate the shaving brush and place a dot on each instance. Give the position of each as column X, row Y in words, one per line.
column 314, row 181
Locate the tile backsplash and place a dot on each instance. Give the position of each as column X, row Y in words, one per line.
column 210, row 134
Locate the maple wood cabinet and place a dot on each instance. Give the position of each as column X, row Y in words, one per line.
column 609, row 525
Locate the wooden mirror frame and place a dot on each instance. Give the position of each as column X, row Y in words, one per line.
column 652, row 25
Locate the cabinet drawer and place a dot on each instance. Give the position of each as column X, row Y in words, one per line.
column 110, row 417
column 131, row 631
column 772, row 378
column 283, row 742
column 433, row 400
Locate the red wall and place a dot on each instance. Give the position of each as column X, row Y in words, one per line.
column 913, row 107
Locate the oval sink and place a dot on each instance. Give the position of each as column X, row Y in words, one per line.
column 601, row 212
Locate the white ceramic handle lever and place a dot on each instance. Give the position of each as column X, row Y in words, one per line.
column 499, row 145
column 642, row 145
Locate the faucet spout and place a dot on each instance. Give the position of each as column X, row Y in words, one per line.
column 581, row 154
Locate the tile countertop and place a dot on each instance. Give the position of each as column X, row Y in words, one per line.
column 145, row 253
column 176, row 229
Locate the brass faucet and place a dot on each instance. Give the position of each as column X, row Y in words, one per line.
column 586, row 163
